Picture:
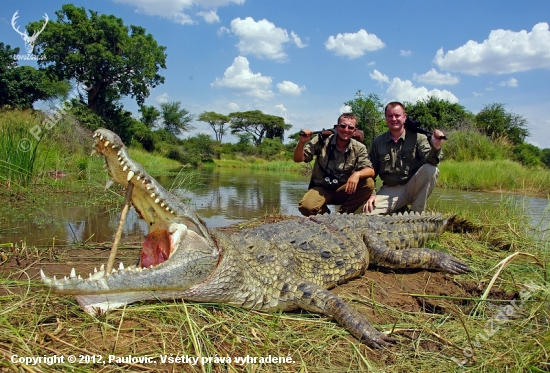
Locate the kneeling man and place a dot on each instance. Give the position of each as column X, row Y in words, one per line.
column 406, row 162
column 342, row 173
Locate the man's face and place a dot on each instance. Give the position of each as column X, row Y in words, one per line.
column 346, row 128
column 395, row 118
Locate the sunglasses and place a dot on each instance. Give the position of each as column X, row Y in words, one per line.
column 343, row 126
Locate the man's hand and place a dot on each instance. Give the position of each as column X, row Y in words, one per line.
column 437, row 139
column 370, row 204
column 351, row 184
column 307, row 134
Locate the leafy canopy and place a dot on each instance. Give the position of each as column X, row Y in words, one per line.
column 97, row 50
column 435, row 112
column 369, row 111
column 216, row 121
column 495, row 121
column 22, row 86
column 258, row 124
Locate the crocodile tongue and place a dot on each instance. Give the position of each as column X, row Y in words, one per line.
column 156, row 248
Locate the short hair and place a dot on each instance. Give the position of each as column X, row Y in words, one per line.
column 393, row 104
column 348, row 116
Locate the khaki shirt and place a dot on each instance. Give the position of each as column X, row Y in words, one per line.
column 397, row 162
column 338, row 165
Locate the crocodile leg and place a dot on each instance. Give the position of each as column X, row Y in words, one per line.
column 381, row 254
column 316, row 299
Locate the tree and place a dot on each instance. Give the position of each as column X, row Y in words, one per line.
column 495, row 121
column 545, row 156
column 149, row 115
column 258, row 125
column 22, row 86
column 434, row 112
column 216, row 121
column 112, row 60
column 369, row 111
column 175, row 119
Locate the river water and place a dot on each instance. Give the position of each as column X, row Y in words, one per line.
column 225, row 196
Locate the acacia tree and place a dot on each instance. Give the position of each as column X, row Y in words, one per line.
column 149, row 115
column 98, row 51
column 174, row 118
column 369, row 112
column 258, row 124
column 216, row 121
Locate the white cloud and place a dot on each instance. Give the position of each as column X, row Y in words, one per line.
column 504, row 51
column 281, row 109
column 296, row 39
column 209, row 16
column 436, row 78
column 404, row 90
column 344, row 109
column 353, row 45
column 378, row 76
column 232, row 106
column 404, row 53
column 512, row 82
column 372, row 63
column 240, row 79
column 177, row 10
column 289, row 88
column 162, row 98
column 262, row 39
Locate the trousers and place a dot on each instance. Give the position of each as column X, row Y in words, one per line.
column 415, row 192
column 316, row 199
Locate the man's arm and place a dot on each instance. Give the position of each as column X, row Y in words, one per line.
column 299, row 155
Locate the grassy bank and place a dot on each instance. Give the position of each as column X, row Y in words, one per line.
column 501, row 175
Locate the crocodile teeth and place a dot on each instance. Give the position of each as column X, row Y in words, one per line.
column 45, row 278
column 101, row 137
column 106, row 144
column 138, row 177
column 157, row 200
column 153, row 195
column 162, row 204
column 149, row 187
column 124, row 168
column 73, row 273
column 94, row 152
column 120, row 266
column 130, row 175
column 109, row 183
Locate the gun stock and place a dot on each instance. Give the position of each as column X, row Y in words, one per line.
column 414, row 126
column 357, row 135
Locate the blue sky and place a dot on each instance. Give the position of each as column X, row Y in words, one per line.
column 303, row 59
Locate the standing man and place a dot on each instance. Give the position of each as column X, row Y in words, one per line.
column 342, row 173
column 406, row 162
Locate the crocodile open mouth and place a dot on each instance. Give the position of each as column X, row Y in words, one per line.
column 156, row 248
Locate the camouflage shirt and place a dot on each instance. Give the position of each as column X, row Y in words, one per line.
column 396, row 162
column 332, row 163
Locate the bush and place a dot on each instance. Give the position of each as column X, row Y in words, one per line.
column 469, row 145
column 528, row 155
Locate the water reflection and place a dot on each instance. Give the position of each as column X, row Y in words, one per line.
column 226, row 196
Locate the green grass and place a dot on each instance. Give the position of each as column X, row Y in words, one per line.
column 18, row 148
column 500, row 175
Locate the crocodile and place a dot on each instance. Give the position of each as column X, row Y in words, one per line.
column 281, row 266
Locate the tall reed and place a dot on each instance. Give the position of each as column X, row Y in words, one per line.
column 18, row 151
